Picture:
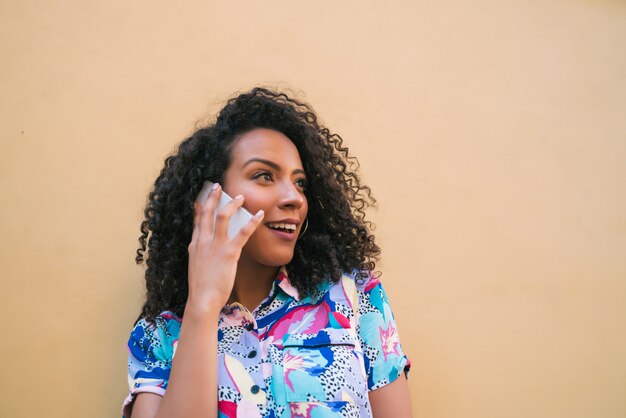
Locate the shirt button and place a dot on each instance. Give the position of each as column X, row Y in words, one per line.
column 254, row 389
column 252, row 354
column 249, row 326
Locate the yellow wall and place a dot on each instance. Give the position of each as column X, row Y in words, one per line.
column 493, row 134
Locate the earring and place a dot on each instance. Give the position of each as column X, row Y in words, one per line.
column 306, row 225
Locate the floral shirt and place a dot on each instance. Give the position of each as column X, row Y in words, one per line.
column 315, row 356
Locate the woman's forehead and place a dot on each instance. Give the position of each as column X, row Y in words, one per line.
column 265, row 144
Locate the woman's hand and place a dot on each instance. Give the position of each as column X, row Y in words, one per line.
column 213, row 256
column 212, row 267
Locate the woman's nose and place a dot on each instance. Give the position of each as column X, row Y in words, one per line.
column 291, row 196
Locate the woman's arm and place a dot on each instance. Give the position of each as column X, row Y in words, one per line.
column 213, row 261
column 392, row 400
column 193, row 375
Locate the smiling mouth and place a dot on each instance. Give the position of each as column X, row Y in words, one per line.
column 288, row 228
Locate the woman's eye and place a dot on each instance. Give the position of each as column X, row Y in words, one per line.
column 264, row 175
column 301, row 183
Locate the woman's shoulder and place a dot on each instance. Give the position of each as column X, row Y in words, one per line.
column 163, row 320
column 352, row 287
column 154, row 339
column 365, row 291
column 362, row 280
column 165, row 325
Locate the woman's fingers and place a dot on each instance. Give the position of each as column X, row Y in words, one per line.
column 196, row 221
column 224, row 215
column 203, row 225
column 207, row 212
column 248, row 229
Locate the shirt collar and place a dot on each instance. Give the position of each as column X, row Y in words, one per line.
column 282, row 282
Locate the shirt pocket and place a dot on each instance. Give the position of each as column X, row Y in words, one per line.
column 324, row 368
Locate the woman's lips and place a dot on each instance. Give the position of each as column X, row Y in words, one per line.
column 287, row 236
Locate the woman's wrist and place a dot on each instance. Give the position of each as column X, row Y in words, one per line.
column 207, row 307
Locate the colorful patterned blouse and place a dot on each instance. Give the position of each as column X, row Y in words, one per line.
column 312, row 357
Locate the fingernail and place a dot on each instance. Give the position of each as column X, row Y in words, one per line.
column 215, row 186
column 260, row 213
column 239, row 196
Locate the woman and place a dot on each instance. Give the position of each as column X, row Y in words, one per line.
column 284, row 319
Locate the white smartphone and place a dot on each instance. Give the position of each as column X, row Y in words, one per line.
column 239, row 218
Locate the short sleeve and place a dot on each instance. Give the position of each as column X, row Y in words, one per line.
column 383, row 356
column 151, row 348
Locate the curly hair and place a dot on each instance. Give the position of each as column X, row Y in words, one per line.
column 338, row 238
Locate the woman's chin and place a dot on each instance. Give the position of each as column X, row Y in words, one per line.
column 267, row 257
column 276, row 260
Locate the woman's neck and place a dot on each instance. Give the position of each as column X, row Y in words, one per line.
column 253, row 283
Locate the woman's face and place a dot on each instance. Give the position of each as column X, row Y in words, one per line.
column 266, row 169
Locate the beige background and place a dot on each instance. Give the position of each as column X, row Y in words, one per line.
column 493, row 134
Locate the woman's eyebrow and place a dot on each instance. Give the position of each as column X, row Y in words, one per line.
column 271, row 164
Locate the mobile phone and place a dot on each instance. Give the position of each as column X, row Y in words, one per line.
column 239, row 218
